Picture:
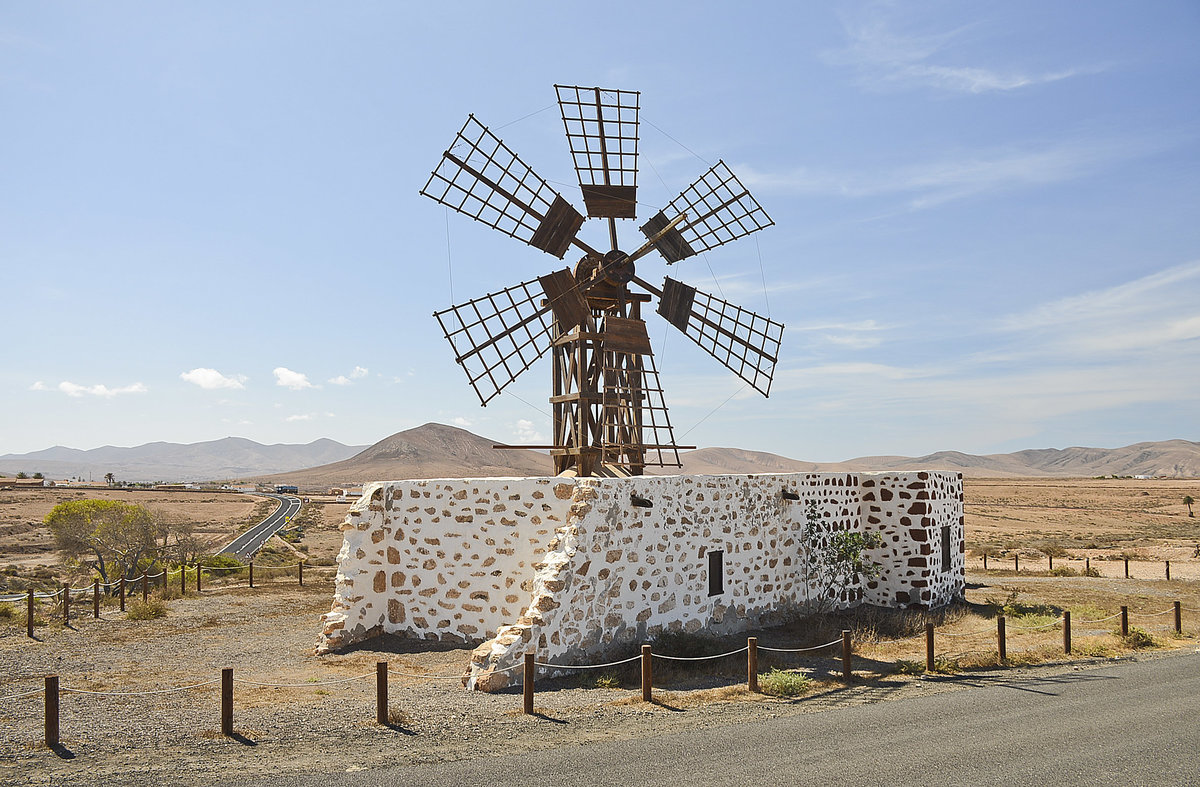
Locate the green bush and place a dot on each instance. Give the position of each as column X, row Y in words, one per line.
column 7, row 612
column 147, row 610
column 780, row 683
column 1139, row 638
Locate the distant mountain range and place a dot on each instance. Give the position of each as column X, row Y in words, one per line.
column 440, row 451
column 231, row 457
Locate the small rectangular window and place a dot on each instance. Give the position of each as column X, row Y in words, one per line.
column 716, row 572
column 945, row 547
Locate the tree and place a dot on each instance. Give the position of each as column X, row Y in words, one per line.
column 22, row 474
column 38, row 476
column 110, row 479
column 835, row 559
column 116, row 536
column 1188, row 501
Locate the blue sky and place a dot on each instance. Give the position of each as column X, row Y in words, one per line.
column 987, row 233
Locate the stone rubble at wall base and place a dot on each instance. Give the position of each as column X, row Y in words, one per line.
column 570, row 568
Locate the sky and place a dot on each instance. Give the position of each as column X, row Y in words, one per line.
column 986, row 238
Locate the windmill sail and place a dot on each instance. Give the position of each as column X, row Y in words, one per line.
column 718, row 209
column 481, row 177
column 498, row 336
column 602, row 130
column 744, row 342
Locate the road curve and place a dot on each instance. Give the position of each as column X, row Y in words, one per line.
column 1128, row 723
column 248, row 543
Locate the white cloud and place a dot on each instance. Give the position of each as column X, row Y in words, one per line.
column 72, row 389
column 966, row 174
column 460, row 421
column 886, row 58
column 289, row 379
column 300, row 417
column 39, row 386
column 850, row 335
column 1156, row 314
column 211, row 379
column 525, row 432
column 358, row 373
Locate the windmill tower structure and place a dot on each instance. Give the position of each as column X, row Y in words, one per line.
column 610, row 415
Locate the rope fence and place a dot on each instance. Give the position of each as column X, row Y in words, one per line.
column 62, row 598
column 52, row 691
column 1046, row 563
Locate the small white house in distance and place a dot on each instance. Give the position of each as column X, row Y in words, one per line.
column 573, row 567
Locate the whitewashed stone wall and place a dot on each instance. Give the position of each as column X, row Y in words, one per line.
column 572, row 568
column 441, row 559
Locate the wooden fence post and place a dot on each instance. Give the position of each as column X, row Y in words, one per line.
column 647, row 675
column 66, row 604
column 1051, row 559
column 1178, row 619
column 1017, row 563
column 251, row 573
column 227, row 701
column 1168, row 570
column 929, row 665
column 199, row 571
column 145, row 587
column 29, row 615
column 752, row 664
column 1087, row 565
column 1124, row 621
column 1127, row 568
column 182, row 580
column 985, row 561
column 1067, row 631
column 300, row 572
column 381, row 692
column 847, row 667
column 527, row 685
column 122, row 592
column 51, row 710
column 95, row 598
column 1001, row 644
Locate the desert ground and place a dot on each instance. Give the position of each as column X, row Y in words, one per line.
column 27, row 546
column 296, row 712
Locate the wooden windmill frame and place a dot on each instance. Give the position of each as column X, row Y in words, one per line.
column 610, row 415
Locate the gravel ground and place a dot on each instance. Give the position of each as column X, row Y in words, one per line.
column 268, row 634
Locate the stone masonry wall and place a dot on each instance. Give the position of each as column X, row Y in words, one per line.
column 572, row 567
column 441, row 559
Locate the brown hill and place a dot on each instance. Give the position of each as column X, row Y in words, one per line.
column 1169, row 458
column 429, row 451
column 440, row 451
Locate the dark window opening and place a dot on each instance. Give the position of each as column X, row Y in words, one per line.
column 716, row 572
column 945, row 547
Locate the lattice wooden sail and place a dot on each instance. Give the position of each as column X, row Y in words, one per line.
column 744, row 342
column 718, row 209
column 483, row 178
column 602, row 130
column 498, row 336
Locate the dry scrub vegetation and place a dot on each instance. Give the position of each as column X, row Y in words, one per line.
column 308, row 724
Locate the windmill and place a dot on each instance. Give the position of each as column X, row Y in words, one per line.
column 610, row 417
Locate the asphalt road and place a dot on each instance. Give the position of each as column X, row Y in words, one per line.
column 252, row 540
column 1129, row 723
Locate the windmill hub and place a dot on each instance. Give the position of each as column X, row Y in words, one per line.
column 616, row 268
